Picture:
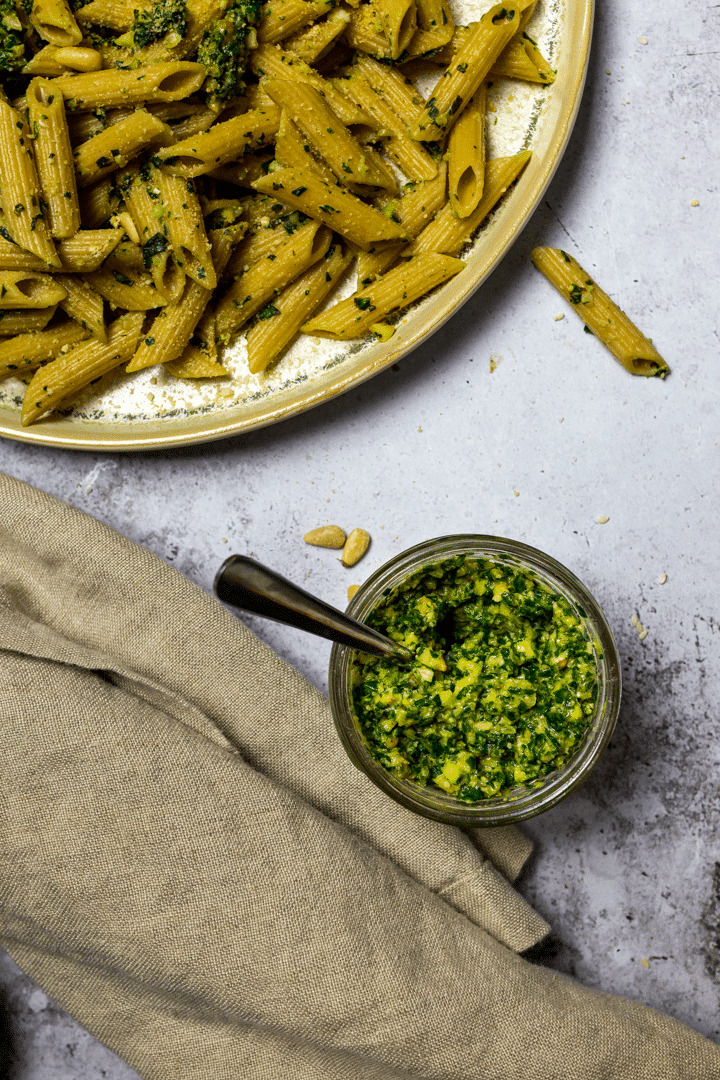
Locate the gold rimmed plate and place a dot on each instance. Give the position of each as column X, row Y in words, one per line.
column 152, row 409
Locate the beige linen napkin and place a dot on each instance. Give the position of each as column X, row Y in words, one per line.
column 191, row 866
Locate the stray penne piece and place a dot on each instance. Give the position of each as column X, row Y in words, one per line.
column 25, row 352
column 53, row 157
column 397, row 289
column 25, row 289
column 270, row 335
column 600, row 314
column 304, row 190
column 82, row 364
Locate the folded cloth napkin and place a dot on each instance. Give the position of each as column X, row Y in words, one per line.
column 190, row 865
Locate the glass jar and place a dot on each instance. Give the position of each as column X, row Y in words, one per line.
column 523, row 802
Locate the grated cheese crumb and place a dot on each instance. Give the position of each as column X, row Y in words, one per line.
column 694, row 202
column 643, row 40
column 662, row 579
column 603, row 519
column 557, row 318
column 644, row 963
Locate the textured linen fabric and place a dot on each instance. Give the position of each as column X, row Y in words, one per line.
column 191, row 866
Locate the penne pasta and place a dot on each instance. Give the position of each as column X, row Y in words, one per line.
column 466, row 157
column 328, row 136
column 185, row 225
column 272, row 63
column 82, row 364
column 173, row 326
column 521, row 59
column 398, row 19
column 398, row 93
column 55, row 22
column 84, row 251
column 249, row 293
column 24, row 322
column 112, row 148
column 20, row 192
column 223, row 142
column 198, row 359
column 407, row 153
column 281, row 18
column 113, row 14
column 269, row 336
column 303, row 190
column 413, row 211
column 133, row 293
column 600, row 314
column 313, row 43
column 397, row 289
column 144, row 203
column 28, row 351
column 469, row 68
column 53, row 157
column 448, row 233
column 84, row 304
column 112, row 87
column 25, row 289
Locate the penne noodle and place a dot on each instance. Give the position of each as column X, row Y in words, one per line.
column 329, row 137
column 84, row 251
column 98, row 203
column 294, row 151
column 407, row 153
column 253, row 289
column 113, row 14
column 268, row 337
column 28, row 351
column 468, row 69
column 25, row 289
column 144, row 203
column 466, row 156
column 398, row 93
column 316, row 41
column 125, row 290
column 600, row 314
column 173, row 327
column 521, row 59
column 397, row 289
column 365, row 32
column 55, row 22
column 303, row 190
column 84, row 304
column 111, row 87
column 448, row 233
column 223, row 142
column 398, row 19
column 52, row 60
column 53, row 157
column 81, row 365
column 24, row 322
column 246, row 170
column 272, row 63
column 198, row 359
column 112, row 148
column 20, row 192
column 413, row 211
column 185, row 225
column 281, row 18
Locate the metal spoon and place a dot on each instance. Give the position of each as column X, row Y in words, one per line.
column 249, row 585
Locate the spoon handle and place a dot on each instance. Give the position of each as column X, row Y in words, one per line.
column 249, row 585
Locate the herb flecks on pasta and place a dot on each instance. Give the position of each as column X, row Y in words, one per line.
column 178, row 172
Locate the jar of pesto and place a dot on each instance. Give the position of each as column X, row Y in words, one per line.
column 512, row 694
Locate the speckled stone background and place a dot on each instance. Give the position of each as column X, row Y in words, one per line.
column 510, row 422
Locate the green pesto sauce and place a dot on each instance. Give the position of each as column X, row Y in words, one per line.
column 501, row 689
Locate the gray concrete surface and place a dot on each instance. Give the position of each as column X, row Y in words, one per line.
column 512, row 423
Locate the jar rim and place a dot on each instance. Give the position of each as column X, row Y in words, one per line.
column 527, row 802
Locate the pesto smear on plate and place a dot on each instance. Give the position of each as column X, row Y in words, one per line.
column 502, row 687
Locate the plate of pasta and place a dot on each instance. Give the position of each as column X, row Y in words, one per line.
column 214, row 216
